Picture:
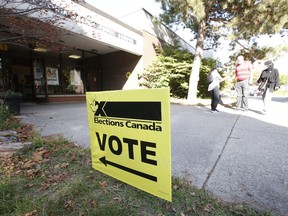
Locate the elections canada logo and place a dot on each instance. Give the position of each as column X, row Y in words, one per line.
column 144, row 115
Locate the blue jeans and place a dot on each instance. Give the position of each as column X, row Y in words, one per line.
column 242, row 89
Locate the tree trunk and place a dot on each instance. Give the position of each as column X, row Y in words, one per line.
column 194, row 76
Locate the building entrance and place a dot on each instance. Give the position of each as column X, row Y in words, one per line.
column 5, row 64
column 16, row 75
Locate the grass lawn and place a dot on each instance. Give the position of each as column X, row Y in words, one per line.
column 54, row 177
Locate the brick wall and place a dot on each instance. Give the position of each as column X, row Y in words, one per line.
column 67, row 98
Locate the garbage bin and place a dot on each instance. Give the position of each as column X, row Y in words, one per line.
column 13, row 103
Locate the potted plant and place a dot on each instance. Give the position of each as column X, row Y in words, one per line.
column 12, row 101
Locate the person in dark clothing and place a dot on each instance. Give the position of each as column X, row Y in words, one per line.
column 269, row 82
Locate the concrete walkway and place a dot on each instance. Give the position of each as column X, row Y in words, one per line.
column 238, row 156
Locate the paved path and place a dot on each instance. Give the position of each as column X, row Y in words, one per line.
column 238, row 156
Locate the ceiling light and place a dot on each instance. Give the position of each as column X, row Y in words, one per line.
column 39, row 49
column 74, row 56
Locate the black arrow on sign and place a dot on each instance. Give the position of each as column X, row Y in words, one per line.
column 141, row 174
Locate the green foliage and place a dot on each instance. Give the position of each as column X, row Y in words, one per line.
column 12, row 93
column 258, row 17
column 233, row 20
column 195, row 14
column 172, row 69
column 283, row 79
column 282, row 92
column 4, row 114
column 169, row 72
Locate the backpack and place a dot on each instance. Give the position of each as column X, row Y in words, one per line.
column 209, row 78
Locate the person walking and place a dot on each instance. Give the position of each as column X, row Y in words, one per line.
column 244, row 76
column 214, row 87
column 269, row 82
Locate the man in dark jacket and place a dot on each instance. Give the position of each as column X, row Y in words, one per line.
column 269, row 82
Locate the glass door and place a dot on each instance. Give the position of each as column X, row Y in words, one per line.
column 40, row 86
column 5, row 74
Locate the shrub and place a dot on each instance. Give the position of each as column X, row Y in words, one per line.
column 172, row 68
column 4, row 116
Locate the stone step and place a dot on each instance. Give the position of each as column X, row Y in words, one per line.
column 9, row 143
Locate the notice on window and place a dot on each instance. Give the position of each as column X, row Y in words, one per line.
column 130, row 137
column 52, row 76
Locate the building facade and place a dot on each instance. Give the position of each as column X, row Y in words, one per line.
column 93, row 52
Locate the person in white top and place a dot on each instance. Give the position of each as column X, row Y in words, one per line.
column 214, row 87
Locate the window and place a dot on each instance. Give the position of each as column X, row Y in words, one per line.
column 73, row 83
column 53, row 80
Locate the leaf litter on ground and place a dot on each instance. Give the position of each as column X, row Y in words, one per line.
column 53, row 176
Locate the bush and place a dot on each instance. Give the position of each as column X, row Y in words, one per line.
column 168, row 72
column 172, row 68
column 283, row 79
column 4, row 116
column 7, row 122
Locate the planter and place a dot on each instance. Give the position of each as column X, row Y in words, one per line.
column 13, row 103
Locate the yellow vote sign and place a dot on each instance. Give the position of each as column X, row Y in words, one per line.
column 130, row 137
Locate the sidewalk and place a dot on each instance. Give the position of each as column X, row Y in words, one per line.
column 238, row 156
